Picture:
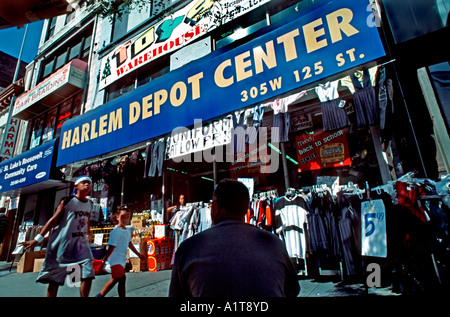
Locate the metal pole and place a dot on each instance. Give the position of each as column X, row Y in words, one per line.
column 285, row 166
column 13, row 99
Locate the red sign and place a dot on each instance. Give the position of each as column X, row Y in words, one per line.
column 322, row 150
column 11, row 131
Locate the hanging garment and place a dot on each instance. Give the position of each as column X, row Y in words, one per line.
column 281, row 118
column 323, row 230
column 334, row 116
column 407, row 197
column 258, row 114
column 280, row 127
column 154, row 158
column 347, row 236
column 327, row 91
column 239, row 130
column 291, row 221
column 350, row 252
column 364, row 101
column 385, row 103
column 205, row 221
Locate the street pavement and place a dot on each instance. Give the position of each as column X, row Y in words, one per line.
column 156, row 284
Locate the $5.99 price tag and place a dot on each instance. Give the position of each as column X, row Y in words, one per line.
column 373, row 228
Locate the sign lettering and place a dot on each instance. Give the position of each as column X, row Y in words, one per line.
column 273, row 64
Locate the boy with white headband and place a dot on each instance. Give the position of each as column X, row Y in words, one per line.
column 68, row 250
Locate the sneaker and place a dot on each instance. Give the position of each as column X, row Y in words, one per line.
column 99, row 295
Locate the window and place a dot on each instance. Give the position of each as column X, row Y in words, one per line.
column 410, row 19
column 65, row 113
column 146, row 74
column 121, row 87
column 77, row 48
column 51, row 28
column 142, row 76
column 61, row 60
column 75, row 51
column 86, row 47
column 119, row 27
column 242, row 27
column 36, row 133
column 49, row 128
column 48, row 68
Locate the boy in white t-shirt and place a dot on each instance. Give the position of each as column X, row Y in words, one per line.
column 118, row 244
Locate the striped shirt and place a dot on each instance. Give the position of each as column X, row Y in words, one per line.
column 290, row 224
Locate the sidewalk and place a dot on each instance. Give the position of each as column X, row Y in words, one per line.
column 156, row 284
column 142, row 284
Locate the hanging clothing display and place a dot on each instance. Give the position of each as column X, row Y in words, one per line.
column 189, row 220
column 364, row 100
column 324, row 229
column 290, row 215
column 334, row 116
column 348, row 238
column 239, row 137
column 260, row 212
column 154, row 158
column 385, row 103
column 258, row 114
column 281, row 118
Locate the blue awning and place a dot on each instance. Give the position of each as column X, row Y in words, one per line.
column 28, row 168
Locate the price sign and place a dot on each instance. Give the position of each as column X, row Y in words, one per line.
column 373, row 228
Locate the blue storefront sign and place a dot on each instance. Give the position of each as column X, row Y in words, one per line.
column 28, row 168
column 332, row 37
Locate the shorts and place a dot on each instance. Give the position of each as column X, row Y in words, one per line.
column 117, row 271
column 80, row 271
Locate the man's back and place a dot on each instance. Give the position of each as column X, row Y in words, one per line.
column 233, row 259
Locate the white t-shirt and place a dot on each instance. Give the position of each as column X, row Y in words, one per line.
column 119, row 238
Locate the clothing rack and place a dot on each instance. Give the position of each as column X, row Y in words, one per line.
column 197, row 204
column 261, row 195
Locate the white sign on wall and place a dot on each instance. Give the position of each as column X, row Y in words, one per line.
column 200, row 138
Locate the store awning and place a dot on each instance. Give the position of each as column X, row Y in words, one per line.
column 53, row 90
column 29, row 168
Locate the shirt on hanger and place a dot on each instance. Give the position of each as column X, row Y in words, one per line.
column 327, row 91
column 281, row 116
column 291, row 218
column 280, row 105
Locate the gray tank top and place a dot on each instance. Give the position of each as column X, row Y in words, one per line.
column 68, row 242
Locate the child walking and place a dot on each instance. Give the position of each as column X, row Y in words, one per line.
column 118, row 244
column 68, row 251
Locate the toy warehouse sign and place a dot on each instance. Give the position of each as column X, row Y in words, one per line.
column 175, row 31
column 329, row 39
